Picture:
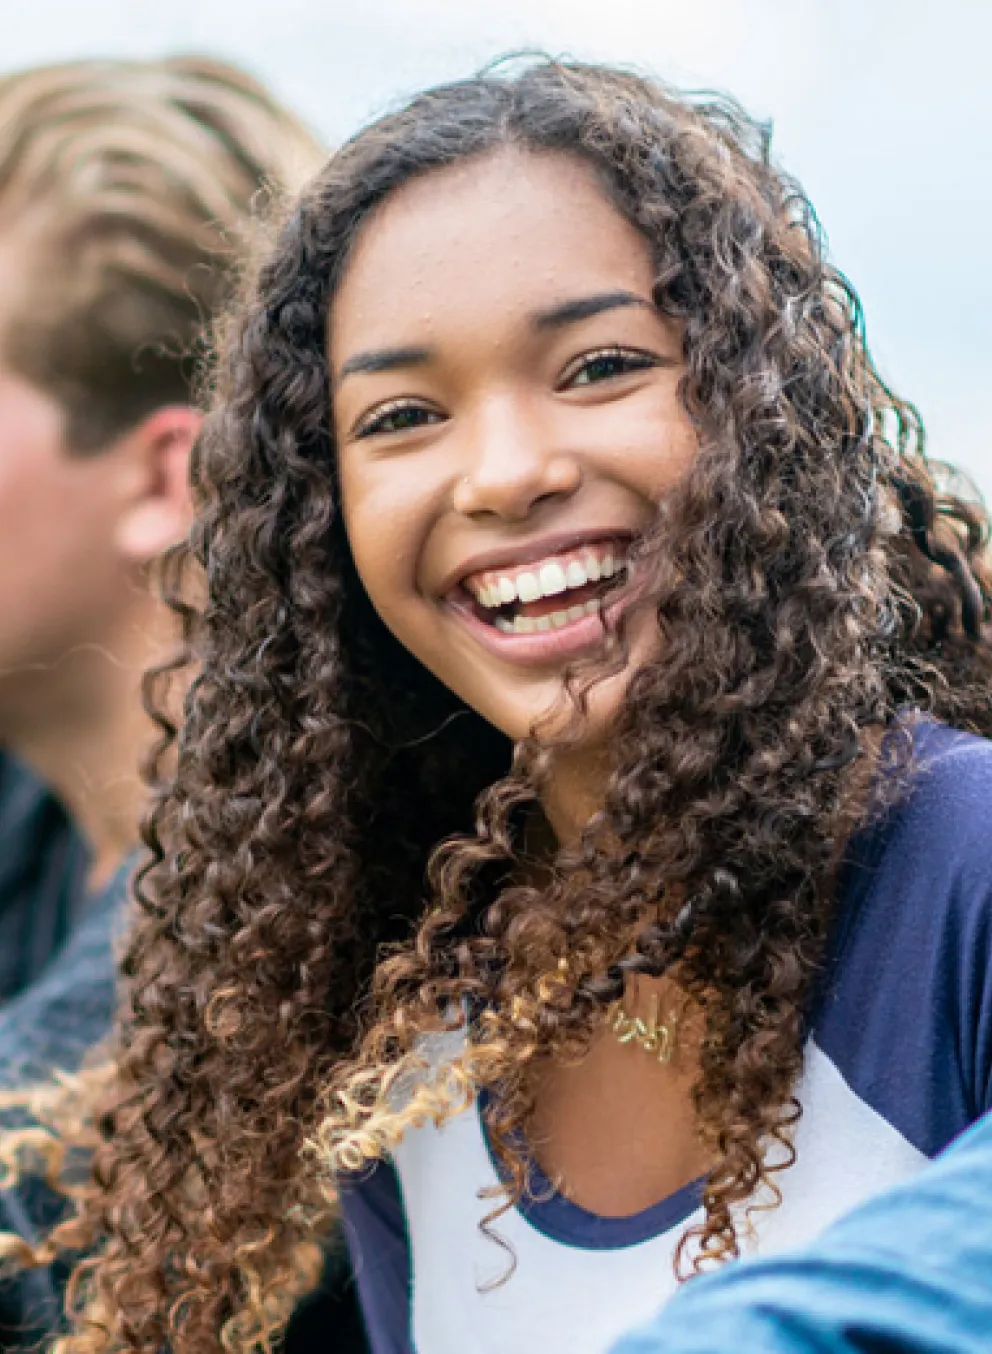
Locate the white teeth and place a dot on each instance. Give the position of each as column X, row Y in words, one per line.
column 546, row 580
column 528, row 588
column 552, row 577
column 555, row 620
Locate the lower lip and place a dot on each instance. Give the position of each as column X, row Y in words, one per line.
column 544, row 647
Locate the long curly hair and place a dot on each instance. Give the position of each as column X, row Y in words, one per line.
column 334, row 854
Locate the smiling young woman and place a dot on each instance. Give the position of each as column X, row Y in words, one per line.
column 521, row 457
column 564, row 848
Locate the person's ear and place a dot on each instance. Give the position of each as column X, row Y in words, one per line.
column 156, row 511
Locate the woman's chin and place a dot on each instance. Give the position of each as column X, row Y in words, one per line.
column 579, row 721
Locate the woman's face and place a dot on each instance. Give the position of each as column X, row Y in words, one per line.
column 506, row 417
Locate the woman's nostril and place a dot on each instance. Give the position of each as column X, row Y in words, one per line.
column 512, row 491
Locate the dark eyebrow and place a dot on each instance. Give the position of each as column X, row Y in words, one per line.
column 384, row 359
column 555, row 317
column 584, row 307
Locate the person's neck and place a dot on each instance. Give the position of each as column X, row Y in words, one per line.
column 88, row 734
column 575, row 791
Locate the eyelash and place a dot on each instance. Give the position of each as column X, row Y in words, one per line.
column 633, row 360
column 376, row 422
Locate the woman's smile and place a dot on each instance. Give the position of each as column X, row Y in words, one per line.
column 506, row 427
column 545, row 604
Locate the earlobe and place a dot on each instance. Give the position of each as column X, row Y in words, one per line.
column 156, row 513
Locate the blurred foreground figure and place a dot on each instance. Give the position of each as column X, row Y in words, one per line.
column 907, row 1273
column 126, row 193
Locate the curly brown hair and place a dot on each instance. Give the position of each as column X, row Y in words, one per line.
column 288, row 942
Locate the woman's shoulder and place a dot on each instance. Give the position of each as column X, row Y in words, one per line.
column 905, row 1006
column 930, row 844
column 949, row 790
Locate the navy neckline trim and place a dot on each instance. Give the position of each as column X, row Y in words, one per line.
column 562, row 1220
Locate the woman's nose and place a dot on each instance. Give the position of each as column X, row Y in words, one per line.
column 512, row 463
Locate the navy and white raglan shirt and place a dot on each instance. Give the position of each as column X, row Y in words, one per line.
column 897, row 1064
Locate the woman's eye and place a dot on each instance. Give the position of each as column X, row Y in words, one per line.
column 397, row 418
column 607, row 365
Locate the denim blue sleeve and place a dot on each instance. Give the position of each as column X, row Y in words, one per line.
column 51, row 1025
column 908, row 1273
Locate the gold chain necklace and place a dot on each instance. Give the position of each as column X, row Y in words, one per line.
column 655, row 1036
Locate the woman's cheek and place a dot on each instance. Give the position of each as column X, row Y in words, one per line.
column 381, row 531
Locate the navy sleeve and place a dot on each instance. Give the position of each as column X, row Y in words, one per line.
column 328, row 1320
column 375, row 1228
column 907, row 1014
column 910, row 1271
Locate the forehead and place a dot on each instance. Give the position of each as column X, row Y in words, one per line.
column 497, row 237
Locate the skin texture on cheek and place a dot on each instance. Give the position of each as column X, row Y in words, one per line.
column 517, row 396
column 391, row 555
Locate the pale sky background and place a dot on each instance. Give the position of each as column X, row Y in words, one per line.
column 883, row 108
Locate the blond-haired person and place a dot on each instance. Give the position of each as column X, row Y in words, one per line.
column 127, row 192
column 126, row 189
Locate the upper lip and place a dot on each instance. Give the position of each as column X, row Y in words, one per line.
column 528, row 552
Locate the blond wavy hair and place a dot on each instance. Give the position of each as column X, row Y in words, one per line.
column 128, row 188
